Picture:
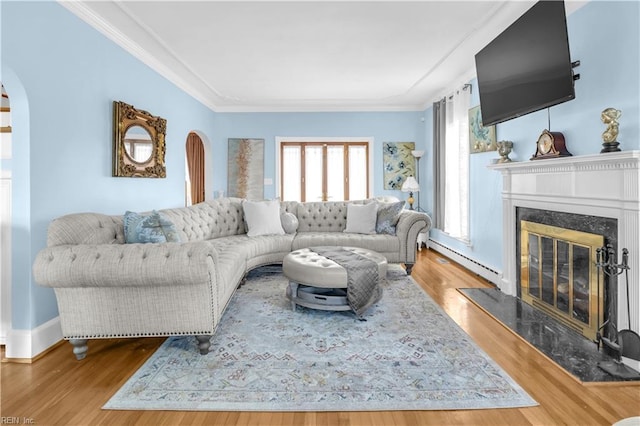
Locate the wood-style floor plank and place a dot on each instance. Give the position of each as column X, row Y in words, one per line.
column 58, row 390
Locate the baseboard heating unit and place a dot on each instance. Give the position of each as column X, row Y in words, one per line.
column 474, row 266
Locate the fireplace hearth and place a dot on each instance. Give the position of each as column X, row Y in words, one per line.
column 576, row 355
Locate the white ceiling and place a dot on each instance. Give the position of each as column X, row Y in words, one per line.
column 307, row 55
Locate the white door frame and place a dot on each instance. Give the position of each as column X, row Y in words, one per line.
column 5, row 255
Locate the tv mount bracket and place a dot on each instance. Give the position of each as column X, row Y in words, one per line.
column 574, row 65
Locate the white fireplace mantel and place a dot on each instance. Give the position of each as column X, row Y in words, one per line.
column 606, row 185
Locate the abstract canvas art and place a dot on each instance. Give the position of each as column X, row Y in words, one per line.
column 398, row 163
column 245, row 168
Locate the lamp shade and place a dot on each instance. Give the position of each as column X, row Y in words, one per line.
column 417, row 153
column 410, row 185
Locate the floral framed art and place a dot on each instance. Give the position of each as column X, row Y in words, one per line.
column 398, row 163
column 481, row 138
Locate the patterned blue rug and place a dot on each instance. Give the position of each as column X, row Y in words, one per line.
column 407, row 355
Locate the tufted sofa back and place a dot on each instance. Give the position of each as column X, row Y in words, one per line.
column 85, row 228
column 211, row 219
column 289, row 207
column 328, row 216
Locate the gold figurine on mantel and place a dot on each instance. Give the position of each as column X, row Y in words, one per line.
column 504, row 148
column 610, row 117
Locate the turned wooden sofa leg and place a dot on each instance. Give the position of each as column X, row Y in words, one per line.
column 204, row 341
column 80, row 348
column 408, row 267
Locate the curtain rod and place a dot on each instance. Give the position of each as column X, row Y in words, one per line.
column 464, row 87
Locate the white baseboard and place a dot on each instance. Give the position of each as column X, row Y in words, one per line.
column 27, row 344
column 474, row 266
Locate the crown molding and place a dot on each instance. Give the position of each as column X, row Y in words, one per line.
column 84, row 11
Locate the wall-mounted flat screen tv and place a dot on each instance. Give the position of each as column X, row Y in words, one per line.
column 527, row 67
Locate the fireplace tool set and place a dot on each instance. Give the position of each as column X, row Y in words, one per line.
column 620, row 343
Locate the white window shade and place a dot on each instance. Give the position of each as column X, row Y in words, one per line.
column 335, row 173
column 313, row 173
column 292, row 174
column 456, row 221
column 358, row 172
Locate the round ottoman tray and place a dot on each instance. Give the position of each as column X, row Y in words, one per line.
column 323, row 296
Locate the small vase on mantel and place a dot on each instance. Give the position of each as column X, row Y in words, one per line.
column 504, row 148
column 610, row 117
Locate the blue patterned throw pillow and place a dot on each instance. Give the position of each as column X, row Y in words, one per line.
column 152, row 228
column 388, row 216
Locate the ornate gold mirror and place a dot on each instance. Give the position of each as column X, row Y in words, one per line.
column 138, row 142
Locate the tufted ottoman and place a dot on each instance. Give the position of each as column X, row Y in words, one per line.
column 320, row 283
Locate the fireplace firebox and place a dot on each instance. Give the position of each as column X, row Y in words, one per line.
column 557, row 271
column 559, row 275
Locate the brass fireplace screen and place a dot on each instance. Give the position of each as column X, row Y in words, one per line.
column 559, row 275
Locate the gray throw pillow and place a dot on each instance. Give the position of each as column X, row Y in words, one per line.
column 388, row 216
column 152, row 228
column 289, row 222
column 361, row 218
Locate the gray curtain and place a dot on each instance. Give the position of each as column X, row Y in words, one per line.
column 439, row 127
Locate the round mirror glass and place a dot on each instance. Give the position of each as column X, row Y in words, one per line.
column 138, row 144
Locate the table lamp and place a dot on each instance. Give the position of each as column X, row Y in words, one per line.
column 410, row 185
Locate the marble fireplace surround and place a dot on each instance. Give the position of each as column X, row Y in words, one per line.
column 605, row 185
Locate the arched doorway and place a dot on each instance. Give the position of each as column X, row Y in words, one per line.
column 195, row 179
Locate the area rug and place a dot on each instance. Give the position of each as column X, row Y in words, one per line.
column 407, row 355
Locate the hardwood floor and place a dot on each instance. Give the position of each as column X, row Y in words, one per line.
column 57, row 389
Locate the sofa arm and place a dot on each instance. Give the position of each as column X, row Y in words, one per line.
column 410, row 224
column 125, row 265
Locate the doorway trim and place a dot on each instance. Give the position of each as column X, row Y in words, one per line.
column 5, row 255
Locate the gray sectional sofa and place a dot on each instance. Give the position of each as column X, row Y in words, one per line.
column 106, row 288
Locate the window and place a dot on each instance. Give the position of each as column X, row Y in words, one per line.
column 451, row 152
column 324, row 170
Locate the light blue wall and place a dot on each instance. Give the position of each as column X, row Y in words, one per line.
column 382, row 126
column 604, row 36
column 62, row 77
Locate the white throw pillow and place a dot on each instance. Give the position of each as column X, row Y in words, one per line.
column 262, row 217
column 361, row 218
